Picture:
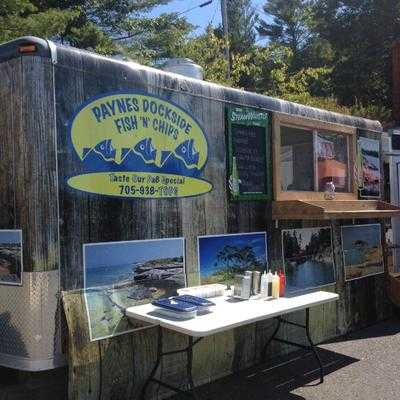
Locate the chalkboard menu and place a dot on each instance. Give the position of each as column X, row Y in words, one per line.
column 249, row 148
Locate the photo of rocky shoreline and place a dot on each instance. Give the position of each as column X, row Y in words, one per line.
column 362, row 250
column 136, row 272
column 11, row 257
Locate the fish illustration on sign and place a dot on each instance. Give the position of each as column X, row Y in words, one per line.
column 104, row 148
column 187, row 153
column 145, row 149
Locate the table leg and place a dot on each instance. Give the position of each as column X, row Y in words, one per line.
column 190, row 366
column 310, row 347
column 189, row 353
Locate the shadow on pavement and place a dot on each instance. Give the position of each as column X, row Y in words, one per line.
column 275, row 382
column 389, row 327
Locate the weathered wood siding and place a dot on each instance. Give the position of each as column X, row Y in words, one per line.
column 56, row 220
column 116, row 368
column 28, row 178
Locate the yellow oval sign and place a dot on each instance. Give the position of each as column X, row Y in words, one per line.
column 145, row 185
column 133, row 136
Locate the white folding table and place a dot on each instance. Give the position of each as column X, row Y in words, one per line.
column 227, row 314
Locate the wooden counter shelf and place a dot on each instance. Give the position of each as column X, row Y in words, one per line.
column 332, row 209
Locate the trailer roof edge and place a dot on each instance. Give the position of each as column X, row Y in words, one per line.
column 45, row 48
column 10, row 50
column 235, row 96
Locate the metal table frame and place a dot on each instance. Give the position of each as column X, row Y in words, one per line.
column 191, row 343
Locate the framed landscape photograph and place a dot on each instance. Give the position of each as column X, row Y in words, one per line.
column 370, row 167
column 223, row 256
column 11, row 257
column 124, row 274
column 308, row 258
column 362, row 251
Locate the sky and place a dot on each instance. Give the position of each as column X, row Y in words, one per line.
column 200, row 17
column 124, row 253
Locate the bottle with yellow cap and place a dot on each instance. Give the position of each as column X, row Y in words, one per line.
column 275, row 286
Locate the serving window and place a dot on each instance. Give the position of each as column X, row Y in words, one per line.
column 308, row 154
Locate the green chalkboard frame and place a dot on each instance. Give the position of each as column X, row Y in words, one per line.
column 265, row 122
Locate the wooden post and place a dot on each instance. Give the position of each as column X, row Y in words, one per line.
column 396, row 82
column 224, row 13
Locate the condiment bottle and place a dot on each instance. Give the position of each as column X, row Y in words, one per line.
column 275, row 286
column 282, row 283
column 269, row 281
column 246, row 287
column 256, row 282
column 264, row 285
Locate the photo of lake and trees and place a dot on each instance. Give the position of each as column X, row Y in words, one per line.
column 221, row 257
column 124, row 274
column 362, row 250
column 308, row 258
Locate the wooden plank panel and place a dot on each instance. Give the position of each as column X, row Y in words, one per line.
column 342, row 303
column 10, row 129
column 144, row 357
column 117, row 364
column 35, row 167
column 74, row 216
column 264, row 330
column 202, row 367
column 94, row 219
column 245, row 343
column 330, row 330
column 217, row 216
column 84, row 381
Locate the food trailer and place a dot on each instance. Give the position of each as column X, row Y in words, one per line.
column 118, row 181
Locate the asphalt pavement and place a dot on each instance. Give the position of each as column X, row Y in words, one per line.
column 364, row 365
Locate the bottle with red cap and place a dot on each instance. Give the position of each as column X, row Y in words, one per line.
column 282, row 283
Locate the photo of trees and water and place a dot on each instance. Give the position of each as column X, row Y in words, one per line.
column 11, row 257
column 362, row 250
column 124, row 274
column 308, row 258
column 223, row 256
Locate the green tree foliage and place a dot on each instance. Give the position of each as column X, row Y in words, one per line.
column 343, row 45
column 288, row 23
column 361, row 33
column 207, row 50
column 237, row 259
column 242, row 20
column 105, row 26
column 292, row 244
column 333, row 54
column 26, row 17
column 158, row 38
